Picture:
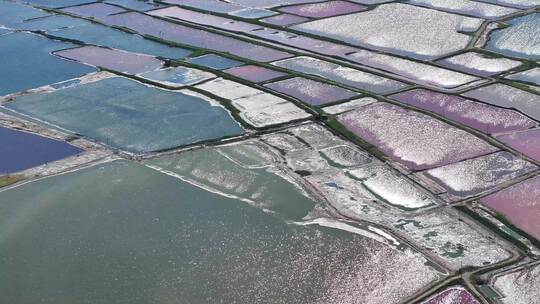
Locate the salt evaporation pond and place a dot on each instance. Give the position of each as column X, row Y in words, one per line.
column 51, row 23
column 399, row 28
column 363, row 188
column 104, row 36
column 323, row 10
column 214, row 61
column 520, row 204
column 344, row 75
column 520, row 39
column 134, row 235
column 284, row 19
column 456, row 241
column 255, row 73
column 414, row 139
column 252, row 13
column 474, row 176
column 27, row 63
column 485, row 118
column 135, row 4
column 145, row 24
column 270, row 3
column 515, row 3
column 310, row 91
column 129, row 115
column 178, row 13
column 526, row 142
column 56, row 3
column 22, row 150
column 530, row 76
column 349, row 105
column 467, row 7
column 479, row 64
column 519, row 286
column 14, row 14
column 94, row 10
column 329, row 158
column 508, row 97
column 177, row 76
column 453, row 295
column 121, row 61
column 257, row 108
column 417, row 72
column 208, row 5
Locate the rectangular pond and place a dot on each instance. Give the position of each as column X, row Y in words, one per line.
column 323, row 10
column 483, row 117
column 508, row 97
column 131, row 116
column 284, row 20
column 474, row 176
column 398, row 28
column 417, row 72
column 177, row 76
column 214, row 61
column 255, row 73
column 256, row 107
column 467, row 7
column 526, row 142
column 145, row 24
column 105, row 36
column 93, row 10
column 310, row 91
column 341, row 74
column 455, row 294
column 518, row 286
column 520, row 39
column 479, row 63
column 112, row 59
column 530, row 76
column 416, row 140
column 519, row 204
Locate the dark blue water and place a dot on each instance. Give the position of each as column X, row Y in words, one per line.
column 21, row 150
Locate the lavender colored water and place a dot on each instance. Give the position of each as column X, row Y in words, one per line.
column 416, row 140
column 483, row 117
column 254, row 73
column 453, row 295
column 175, row 12
column 208, row 5
column 21, row 150
column 145, row 24
column 324, row 9
column 520, row 204
column 94, row 10
column 310, row 91
column 120, row 61
column 526, row 142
